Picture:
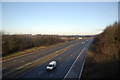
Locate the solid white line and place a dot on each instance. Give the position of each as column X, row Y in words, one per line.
column 82, row 66
column 74, row 63
column 38, row 65
column 81, row 70
column 27, row 54
column 32, row 68
column 19, row 56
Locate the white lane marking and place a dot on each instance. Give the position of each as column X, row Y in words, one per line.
column 71, row 55
column 40, row 72
column 51, row 75
column 27, row 54
column 32, row 69
column 74, row 62
column 19, row 56
column 81, row 70
column 82, row 67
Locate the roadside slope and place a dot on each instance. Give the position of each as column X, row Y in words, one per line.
column 103, row 57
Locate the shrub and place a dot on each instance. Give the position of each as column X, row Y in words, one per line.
column 13, row 43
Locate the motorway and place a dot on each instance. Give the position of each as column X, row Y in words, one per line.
column 70, row 57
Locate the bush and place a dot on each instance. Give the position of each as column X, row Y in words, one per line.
column 107, row 45
column 13, row 43
column 103, row 60
column 108, row 41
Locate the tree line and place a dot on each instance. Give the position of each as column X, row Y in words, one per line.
column 14, row 43
column 108, row 42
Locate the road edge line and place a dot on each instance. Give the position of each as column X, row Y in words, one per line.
column 39, row 65
column 23, row 54
column 74, row 63
column 82, row 66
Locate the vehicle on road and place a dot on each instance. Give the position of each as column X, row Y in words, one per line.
column 51, row 65
column 82, row 42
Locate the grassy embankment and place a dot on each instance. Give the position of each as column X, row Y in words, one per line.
column 15, row 45
column 26, row 51
column 103, row 60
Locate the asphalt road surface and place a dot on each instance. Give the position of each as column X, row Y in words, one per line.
column 69, row 63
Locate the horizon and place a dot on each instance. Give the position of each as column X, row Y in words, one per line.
column 7, row 33
column 58, row 18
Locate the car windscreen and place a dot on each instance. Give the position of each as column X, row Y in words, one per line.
column 50, row 65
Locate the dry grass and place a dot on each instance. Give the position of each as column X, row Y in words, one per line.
column 100, row 67
column 103, row 60
column 23, row 52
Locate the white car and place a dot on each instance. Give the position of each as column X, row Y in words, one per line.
column 82, row 42
column 51, row 65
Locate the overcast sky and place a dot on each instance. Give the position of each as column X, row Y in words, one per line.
column 70, row 18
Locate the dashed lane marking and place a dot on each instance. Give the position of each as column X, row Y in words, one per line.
column 40, row 72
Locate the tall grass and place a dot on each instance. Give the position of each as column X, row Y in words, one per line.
column 103, row 60
column 108, row 42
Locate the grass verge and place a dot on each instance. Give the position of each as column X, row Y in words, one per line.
column 23, row 52
column 30, row 65
column 26, row 51
column 99, row 66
